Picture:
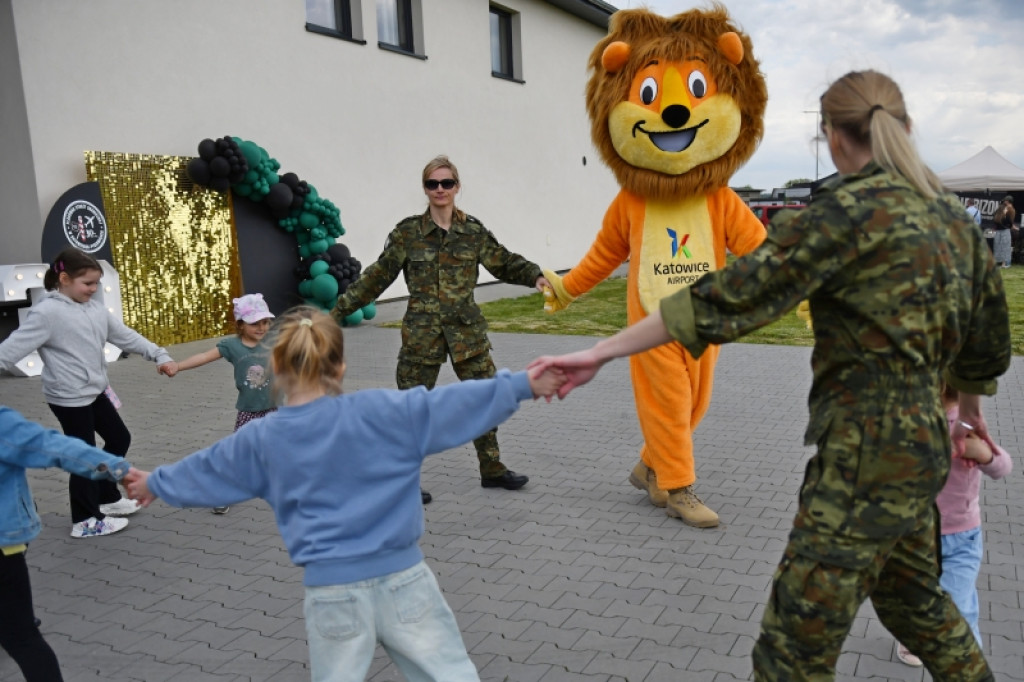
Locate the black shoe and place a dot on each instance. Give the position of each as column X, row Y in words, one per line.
column 425, row 496
column 509, row 480
column 221, row 510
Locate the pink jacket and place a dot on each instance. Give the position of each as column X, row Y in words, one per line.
column 958, row 500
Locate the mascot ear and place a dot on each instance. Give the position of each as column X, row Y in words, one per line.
column 616, row 54
column 731, row 47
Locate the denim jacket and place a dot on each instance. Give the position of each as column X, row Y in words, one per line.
column 25, row 444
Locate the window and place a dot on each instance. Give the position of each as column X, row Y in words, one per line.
column 506, row 55
column 398, row 23
column 336, row 18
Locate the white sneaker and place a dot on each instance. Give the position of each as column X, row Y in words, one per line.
column 123, row 507
column 92, row 527
column 903, row 653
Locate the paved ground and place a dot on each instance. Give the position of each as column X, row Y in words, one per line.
column 575, row 577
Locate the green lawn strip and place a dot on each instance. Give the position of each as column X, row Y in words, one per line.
column 602, row 312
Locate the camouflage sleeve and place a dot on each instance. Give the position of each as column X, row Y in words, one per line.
column 986, row 350
column 802, row 250
column 374, row 278
column 505, row 265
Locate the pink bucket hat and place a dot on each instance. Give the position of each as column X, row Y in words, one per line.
column 251, row 308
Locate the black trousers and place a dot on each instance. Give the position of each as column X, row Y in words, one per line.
column 19, row 635
column 85, row 422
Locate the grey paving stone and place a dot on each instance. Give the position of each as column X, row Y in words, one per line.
column 575, row 577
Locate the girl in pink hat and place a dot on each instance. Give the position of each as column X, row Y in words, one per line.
column 250, row 357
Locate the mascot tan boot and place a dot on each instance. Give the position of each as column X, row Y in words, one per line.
column 684, row 504
column 643, row 478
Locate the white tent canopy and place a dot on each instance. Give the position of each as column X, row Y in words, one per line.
column 986, row 170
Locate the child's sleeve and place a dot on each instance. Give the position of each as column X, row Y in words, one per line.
column 226, row 473
column 454, row 414
column 1000, row 466
column 30, row 336
column 127, row 339
column 29, row 445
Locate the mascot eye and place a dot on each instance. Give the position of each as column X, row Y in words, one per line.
column 648, row 90
column 698, row 84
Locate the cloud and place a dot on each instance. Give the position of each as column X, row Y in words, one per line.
column 960, row 65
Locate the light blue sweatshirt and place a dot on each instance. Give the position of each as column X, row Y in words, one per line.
column 70, row 337
column 342, row 474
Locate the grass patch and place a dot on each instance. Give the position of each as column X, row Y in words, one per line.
column 602, row 312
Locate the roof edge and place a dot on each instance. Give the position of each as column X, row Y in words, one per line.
column 597, row 12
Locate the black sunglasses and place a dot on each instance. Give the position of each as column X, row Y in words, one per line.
column 447, row 183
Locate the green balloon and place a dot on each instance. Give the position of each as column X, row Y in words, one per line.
column 370, row 310
column 306, row 288
column 325, row 287
column 308, row 220
column 318, row 245
column 353, row 319
column 304, row 251
column 251, row 152
column 318, row 268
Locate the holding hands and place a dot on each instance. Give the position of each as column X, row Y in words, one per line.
column 168, row 368
column 135, row 484
column 575, row 369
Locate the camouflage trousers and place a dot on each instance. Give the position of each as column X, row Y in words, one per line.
column 411, row 373
column 813, row 604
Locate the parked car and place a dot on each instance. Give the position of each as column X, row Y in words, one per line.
column 766, row 212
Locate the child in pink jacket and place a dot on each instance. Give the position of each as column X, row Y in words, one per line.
column 961, row 520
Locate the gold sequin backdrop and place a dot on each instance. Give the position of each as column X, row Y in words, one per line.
column 173, row 244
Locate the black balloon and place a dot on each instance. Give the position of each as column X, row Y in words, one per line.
column 207, row 149
column 220, row 184
column 219, row 167
column 199, row 171
column 279, row 198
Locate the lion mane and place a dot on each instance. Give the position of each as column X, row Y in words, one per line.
column 649, row 37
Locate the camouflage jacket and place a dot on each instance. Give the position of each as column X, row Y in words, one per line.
column 441, row 270
column 903, row 290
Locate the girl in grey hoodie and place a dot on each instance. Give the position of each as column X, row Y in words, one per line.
column 69, row 328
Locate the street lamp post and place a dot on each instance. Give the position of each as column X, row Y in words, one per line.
column 817, row 143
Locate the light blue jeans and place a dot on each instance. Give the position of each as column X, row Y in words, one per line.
column 961, row 563
column 404, row 611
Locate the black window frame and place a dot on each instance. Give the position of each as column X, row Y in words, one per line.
column 342, row 11
column 506, row 53
column 406, row 36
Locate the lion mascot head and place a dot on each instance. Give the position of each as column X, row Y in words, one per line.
column 676, row 104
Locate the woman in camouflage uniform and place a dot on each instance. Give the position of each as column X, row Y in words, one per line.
column 439, row 253
column 903, row 291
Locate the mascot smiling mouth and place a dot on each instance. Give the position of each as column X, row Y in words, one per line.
column 673, row 141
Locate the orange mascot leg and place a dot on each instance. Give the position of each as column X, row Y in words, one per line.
column 672, row 392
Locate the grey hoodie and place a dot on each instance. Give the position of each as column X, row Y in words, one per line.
column 70, row 337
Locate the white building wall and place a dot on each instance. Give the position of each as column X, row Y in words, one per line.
column 356, row 121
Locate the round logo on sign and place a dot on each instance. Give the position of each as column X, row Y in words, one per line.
column 84, row 226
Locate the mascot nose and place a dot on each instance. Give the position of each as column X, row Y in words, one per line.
column 675, row 115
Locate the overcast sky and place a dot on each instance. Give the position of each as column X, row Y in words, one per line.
column 960, row 64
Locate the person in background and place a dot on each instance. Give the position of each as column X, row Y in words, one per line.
column 439, row 253
column 343, row 485
column 902, row 292
column 972, row 210
column 1003, row 220
column 70, row 326
column 249, row 355
column 27, row 445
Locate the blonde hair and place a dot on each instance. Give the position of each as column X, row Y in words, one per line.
column 309, row 351
column 868, row 107
column 442, row 161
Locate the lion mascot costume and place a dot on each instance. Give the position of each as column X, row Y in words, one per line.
column 676, row 105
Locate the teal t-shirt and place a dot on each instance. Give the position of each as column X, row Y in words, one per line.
column 252, row 374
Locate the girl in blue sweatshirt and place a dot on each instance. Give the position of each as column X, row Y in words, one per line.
column 342, row 473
